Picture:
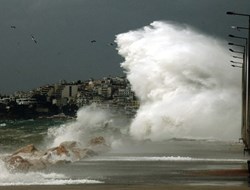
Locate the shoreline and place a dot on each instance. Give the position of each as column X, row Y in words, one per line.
column 127, row 187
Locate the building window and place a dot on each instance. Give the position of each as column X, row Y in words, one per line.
column 70, row 91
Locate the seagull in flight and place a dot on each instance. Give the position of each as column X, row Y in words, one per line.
column 33, row 38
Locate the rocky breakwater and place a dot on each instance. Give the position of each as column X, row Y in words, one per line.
column 29, row 158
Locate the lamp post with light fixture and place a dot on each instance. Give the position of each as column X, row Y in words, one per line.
column 245, row 83
column 243, row 87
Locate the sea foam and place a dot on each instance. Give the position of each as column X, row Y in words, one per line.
column 166, row 158
column 38, row 178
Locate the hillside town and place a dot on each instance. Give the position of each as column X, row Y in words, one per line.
column 63, row 99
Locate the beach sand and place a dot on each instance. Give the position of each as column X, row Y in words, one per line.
column 125, row 187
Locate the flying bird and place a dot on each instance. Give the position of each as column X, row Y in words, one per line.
column 93, row 41
column 33, row 38
column 14, row 27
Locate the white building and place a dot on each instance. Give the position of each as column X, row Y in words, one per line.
column 70, row 91
column 26, row 101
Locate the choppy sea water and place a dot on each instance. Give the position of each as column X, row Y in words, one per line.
column 173, row 161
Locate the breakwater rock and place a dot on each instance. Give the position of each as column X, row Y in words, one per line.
column 29, row 158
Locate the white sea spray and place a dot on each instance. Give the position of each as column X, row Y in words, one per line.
column 184, row 82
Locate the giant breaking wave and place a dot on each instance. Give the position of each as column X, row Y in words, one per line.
column 184, row 82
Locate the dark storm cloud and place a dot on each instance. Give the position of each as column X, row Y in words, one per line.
column 64, row 29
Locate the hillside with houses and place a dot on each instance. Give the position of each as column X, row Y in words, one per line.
column 63, row 99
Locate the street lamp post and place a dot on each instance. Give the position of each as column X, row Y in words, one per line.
column 236, row 51
column 244, row 91
column 237, row 57
column 236, row 66
column 233, row 44
column 236, row 62
column 239, row 28
column 246, row 83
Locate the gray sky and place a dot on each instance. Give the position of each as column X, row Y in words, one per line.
column 64, row 29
